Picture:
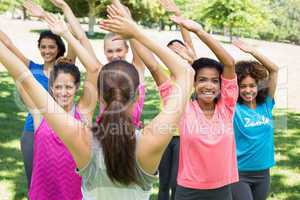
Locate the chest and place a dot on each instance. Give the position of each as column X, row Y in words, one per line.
column 196, row 125
column 253, row 121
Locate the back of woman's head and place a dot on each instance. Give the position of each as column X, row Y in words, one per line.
column 117, row 84
column 206, row 63
column 256, row 71
column 66, row 66
column 59, row 42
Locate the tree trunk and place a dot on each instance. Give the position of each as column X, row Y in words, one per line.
column 24, row 13
column 92, row 21
column 13, row 13
column 161, row 25
column 230, row 34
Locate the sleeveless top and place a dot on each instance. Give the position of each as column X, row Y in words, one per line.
column 97, row 185
column 37, row 71
column 53, row 175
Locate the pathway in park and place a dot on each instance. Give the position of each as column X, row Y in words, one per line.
column 285, row 55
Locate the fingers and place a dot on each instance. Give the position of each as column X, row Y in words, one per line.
column 110, row 25
column 112, row 10
column 29, row 5
column 177, row 20
column 238, row 43
column 170, row 6
column 179, row 49
column 50, row 18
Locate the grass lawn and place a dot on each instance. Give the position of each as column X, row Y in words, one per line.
column 285, row 181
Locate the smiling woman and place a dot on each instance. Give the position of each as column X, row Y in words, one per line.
column 49, row 152
column 253, row 124
column 51, row 47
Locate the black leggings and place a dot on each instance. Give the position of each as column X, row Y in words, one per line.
column 168, row 169
column 252, row 186
column 27, row 151
column 223, row 193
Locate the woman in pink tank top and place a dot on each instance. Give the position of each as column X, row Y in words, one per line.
column 54, row 175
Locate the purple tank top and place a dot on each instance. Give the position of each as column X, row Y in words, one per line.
column 53, row 172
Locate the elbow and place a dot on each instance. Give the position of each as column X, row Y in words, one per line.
column 230, row 63
column 189, row 73
column 275, row 68
column 96, row 68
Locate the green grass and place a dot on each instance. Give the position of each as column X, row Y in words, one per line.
column 285, row 181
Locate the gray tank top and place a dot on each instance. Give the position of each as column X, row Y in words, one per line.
column 96, row 185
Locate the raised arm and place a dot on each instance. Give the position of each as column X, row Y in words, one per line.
column 266, row 62
column 144, row 55
column 10, row 45
column 170, row 6
column 151, row 63
column 223, row 56
column 74, row 134
column 75, row 26
column 137, row 61
column 88, row 100
column 158, row 133
column 118, row 8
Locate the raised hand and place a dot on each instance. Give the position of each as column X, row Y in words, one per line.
column 57, row 27
column 59, row 3
column 185, row 52
column 118, row 17
column 118, row 9
column 120, row 25
column 187, row 23
column 170, row 6
column 34, row 10
column 243, row 46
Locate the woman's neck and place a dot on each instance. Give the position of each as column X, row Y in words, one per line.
column 68, row 108
column 49, row 65
column 251, row 104
column 208, row 109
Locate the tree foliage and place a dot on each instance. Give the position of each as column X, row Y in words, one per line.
column 266, row 19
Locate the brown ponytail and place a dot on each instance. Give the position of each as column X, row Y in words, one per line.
column 117, row 83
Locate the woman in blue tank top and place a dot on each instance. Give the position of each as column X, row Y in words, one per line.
column 253, row 125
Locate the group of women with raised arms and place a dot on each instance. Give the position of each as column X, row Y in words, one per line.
column 212, row 140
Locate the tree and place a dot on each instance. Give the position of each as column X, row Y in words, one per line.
column 285, row 19
column 81, row 8
column 235, row 15
column 147, row 11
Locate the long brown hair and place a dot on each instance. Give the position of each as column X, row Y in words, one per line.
column 117, row 84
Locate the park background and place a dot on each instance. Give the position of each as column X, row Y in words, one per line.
column 272, row 26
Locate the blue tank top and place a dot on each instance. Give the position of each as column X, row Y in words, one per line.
column 37, row 71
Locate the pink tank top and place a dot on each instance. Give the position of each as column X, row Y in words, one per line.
column 53, row 174
column 137, row 110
